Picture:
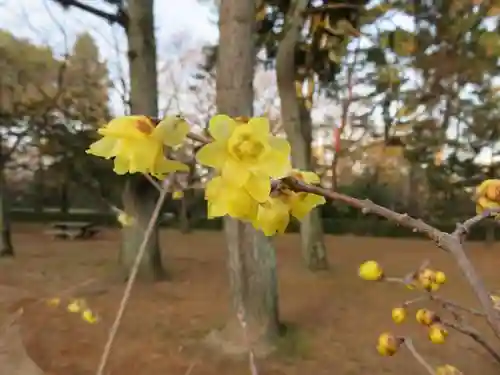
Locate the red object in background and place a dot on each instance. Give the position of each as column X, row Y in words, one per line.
column 336, row 138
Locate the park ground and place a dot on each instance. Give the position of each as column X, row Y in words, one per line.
column 334, row 318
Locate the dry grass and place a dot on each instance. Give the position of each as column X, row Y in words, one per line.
column 334, row 317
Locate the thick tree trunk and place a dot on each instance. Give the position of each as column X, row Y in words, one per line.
column 138, row 198
column 297, row 122
column 6, row 247
column 251, row 259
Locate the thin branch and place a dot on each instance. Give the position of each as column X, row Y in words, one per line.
column 475, row 335
column 409, row 345
column 119, row 18
column 130, row 283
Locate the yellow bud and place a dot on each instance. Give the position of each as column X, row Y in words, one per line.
column 398, row 314
column 426, row 278
column 371, row 271
column 437, row 333
column 433, row 287
column 425, row 317
column 440, row 277
column 387, row 344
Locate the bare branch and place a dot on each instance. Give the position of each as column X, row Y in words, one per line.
column 119, row 18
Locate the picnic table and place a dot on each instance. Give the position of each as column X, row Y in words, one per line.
column 73, row 230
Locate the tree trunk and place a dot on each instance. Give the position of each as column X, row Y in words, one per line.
column 6, row 248
column 138, row 197
column 184, row 224
column 251, row 257
column 297, row 122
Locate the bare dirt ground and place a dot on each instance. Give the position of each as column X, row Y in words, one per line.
column 334, row 317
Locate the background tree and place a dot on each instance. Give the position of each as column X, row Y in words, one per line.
column 252, row 262
column 139, row 197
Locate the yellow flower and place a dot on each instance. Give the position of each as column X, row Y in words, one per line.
column 272, row 216
column 387, row 344
column 440, row 277
column 125, row 219
column 425, row 316
column 437, row 333
column 370, row 270
column 488, row 196
column 224, row 199
column 302, row 203
column 178, row 194
column 246, row 154
column 54, row 302
column 75, row 306
column 447, row 370
column 138, row 146
column 89, row 316
column 398, row 314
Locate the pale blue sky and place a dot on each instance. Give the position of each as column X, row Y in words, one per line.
column 45, row 22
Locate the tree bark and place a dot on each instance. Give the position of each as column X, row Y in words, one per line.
column 251, row 257
column 140, row 207
column 139, row 197
column 297, row 123
column 6, row 247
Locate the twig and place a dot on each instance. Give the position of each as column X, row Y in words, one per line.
column 451, row 243
column 475, row 335
column 409, row 345
column 133, row 274
column 446, row 303
column 153, row 182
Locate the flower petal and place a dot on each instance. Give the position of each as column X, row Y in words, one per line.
column 221, row 127
column 104, row 148
column 171, row 131
column 260, row 128
column 234, row 173
column 212, row 155
column 259, row 187
column 121, row 165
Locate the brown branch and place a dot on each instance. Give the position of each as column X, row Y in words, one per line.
column 120, row 18
column 409, row 345
column 451, row 243
column 475, row 335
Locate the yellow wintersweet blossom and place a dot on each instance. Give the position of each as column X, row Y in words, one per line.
column 302, row 203
column 246, row 154
column 89, row 316
column 488, row 196
column 272, row 217
column 137, row 145
column 224, row 199
column 75, row 306
column 125, row 219
column 447, row 370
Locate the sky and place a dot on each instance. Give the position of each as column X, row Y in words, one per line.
column 180, row 25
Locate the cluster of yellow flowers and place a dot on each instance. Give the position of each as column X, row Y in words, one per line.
column 424, row 279
column 76, row 306
column 487, row 196
column 244, row 154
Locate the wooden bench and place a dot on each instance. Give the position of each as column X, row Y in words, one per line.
column 72, row 230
